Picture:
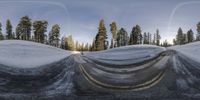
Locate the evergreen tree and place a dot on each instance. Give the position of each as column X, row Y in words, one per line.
column 149, row 38
column 40, row 27
column 17, row 31
column 66, row 46
column 165, row 44
column 62, row 44
column 50, row 38
column 69, row 43
column 80, row 46
column 154, row 39
column 185, row 38
column 32, row 38
column 146, row 38
column 54, row 35
column 140, row 38
column 174, row 42
column 180, row 37
column 86, row 47
column 113, row 29
column 77, row 46
column 1, row 34
column 122, row 37
column 9, row 29
column 157, row 38
column 100, row 39
column 13, row 35
column 93, row 48
column 190, row 36
column 23, row 29
column 90, row 47
column 198, row 32
column 135, row 36
column 45, row 39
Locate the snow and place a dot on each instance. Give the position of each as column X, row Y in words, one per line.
column 26, row 54
column 126, row 54
column 191, row 50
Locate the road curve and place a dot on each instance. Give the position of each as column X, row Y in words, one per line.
column 172, row 75
column 130, row 78
column 169, row 76
column 137, row 87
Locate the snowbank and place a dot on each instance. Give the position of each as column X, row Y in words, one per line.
column 127, row 54
column 191, row 50
column 25, row 54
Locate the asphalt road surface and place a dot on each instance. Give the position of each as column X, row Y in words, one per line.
column 169, row 76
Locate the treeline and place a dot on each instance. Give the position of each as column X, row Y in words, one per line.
column 189, row 36
column 119, row 38
column 39, row 28
column 36, row 31
column 122, row 38
column 68, row 43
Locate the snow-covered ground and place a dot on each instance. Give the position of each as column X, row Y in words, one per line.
column 25, row 54
column 191, row 50
column 185, row 66
column 29, row 81
column 126, row 54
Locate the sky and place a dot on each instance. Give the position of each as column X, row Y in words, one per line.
column 80, row 18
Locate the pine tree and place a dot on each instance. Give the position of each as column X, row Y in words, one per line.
column 69, row 43
column 32, row 38
column 66, row 40
column 154, row 39
column 54, row 35
column 45, row 39
column 40, row 27
column 198, row 32
column 17, row 31
column 180, row 37
column 165, row 44
column 122, row 37
column 50, row 38
column 77, row 46
column 146, row 38
column 190, row 36
column 9, row 29
column 90, row 47
column 86, row 47
column 140, row 38
column 23, row 29
column 135, row 36
column 1, row 34
column 13, row 35
column 174, row 42
column 149, row 38
column 93, row 48
column 185, row 38
column 158, row 37
column 80, row 46
column 113, row 29
column 100, row 40
column 62, row 44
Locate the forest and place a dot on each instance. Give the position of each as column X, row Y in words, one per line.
column 120, row 37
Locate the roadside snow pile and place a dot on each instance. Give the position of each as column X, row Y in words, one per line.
column 191, row 50
column 127, row 54
column 25, row 54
